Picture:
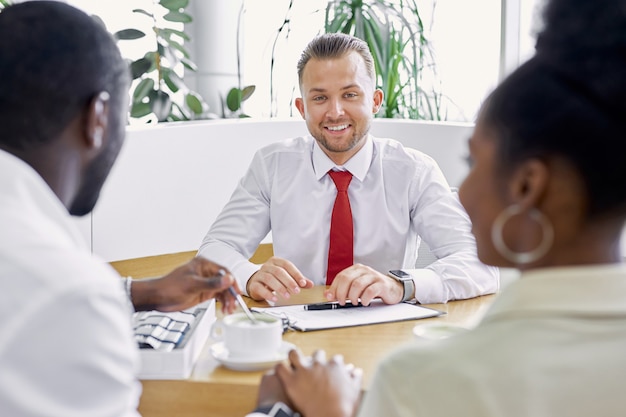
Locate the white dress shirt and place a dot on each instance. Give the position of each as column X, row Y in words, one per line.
column 66, row 343
column 398, row 196
column 552, row 344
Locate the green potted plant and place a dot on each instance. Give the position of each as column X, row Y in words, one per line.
column 160, row 88
column 237, row 95
column 395, row 33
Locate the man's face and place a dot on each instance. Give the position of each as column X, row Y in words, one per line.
column 338, row 103
column 97, row 172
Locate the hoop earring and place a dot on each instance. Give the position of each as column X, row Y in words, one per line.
column 521, row 258
column 97, row 137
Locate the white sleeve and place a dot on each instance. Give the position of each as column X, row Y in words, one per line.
column 242, row 224
column 445, row 226
column 72, row 354
column 395, row 388
column 381, row 398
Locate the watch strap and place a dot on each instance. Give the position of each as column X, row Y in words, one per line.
column 278, row 409
column 409, row 289
column 408, row 285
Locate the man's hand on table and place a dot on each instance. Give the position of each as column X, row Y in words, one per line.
column 360, row 282
column 277, row 277
column 186, row 286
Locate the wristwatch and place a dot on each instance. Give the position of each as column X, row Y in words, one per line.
column 278, row 409
column 407, row 283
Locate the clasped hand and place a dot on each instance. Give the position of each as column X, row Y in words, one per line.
column 313, row 386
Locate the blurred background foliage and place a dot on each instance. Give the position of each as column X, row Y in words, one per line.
column 393, row 29
column 403, row 56
column 159, row 88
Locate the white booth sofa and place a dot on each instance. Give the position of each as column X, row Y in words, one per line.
column 172, row 179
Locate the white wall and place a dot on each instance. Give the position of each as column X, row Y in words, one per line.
column 171, row 180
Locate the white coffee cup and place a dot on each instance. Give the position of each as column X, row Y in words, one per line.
column 243, row 338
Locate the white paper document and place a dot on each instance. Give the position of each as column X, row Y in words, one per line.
column 377, row 312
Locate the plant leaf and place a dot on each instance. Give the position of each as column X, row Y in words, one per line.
column 247, row 92
column 174, row 4
column 167, row 34
column 128, row 34
column 172, row 80
column 143, row 89
column 161, row 104
column 142, row 11
column 194, row 103
column 184, row 114
column 140, row 67
column 180, row 48
column 140, row 110
column 160, row 49
column 191, row 66
column 233, row 99
column 178, row 17
column 152, row 57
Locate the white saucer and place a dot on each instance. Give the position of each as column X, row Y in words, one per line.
column 219, row 352
column 437, row 331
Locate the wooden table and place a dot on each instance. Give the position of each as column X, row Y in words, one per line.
column 213, row 390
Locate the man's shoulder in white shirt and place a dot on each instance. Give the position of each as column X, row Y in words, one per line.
column 300, row 144
column 386, row 148
column 66, row 318
column 392, row 149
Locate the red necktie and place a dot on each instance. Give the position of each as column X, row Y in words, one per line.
column 340, row 252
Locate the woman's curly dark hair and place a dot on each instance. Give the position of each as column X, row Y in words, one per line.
column 569, row 100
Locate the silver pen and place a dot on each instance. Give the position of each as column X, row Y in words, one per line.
column 240, row 301
column 242, row 304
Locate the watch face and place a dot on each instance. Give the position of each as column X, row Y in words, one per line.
column 283, row 413
column 398, row 273
column 408, row 285
column 278, row 409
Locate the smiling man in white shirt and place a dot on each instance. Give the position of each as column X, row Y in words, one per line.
column 398, row 197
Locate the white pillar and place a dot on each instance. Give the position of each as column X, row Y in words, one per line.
column 213, row 48
column 509, row 37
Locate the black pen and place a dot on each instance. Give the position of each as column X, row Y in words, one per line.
column 331, row 306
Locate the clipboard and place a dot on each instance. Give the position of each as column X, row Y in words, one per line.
column 377, row 312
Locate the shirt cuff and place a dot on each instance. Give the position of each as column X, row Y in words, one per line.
column 243, row 272
column 428, row 286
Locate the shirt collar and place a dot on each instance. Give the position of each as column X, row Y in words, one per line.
column 588, row 290
column 19, row 182
column 358, row 165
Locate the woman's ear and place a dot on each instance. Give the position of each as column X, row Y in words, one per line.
column 97, row 120
column 530, row 182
